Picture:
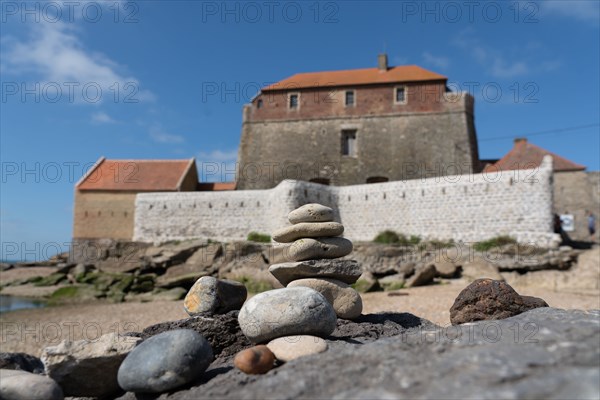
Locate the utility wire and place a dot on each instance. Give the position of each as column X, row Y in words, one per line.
column 572, row 128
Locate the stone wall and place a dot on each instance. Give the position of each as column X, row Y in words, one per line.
column 436, row 140
column 575, row 193
column 103, row 215
column 467, row 207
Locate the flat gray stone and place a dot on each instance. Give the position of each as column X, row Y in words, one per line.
column 22, row 385
column 312, row 249
column 165, row 361
column 311, row 213
column 285, row 312
column 211, row 296
column 347, row 271
column 87, row 368
column 307, row 230
column 346, row 301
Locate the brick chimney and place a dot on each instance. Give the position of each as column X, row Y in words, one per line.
column 382, row 62
column 520, row 140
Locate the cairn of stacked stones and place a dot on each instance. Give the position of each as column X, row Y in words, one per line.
column 313, row 253
column 294, row 320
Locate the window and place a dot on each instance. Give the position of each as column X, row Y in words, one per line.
column 349, row 143
column 293, row 101
column 349, row 97
column 259, row 103
column 400, row 95
column 322, row 181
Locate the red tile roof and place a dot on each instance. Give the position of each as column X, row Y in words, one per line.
column 525, row 155
column 136, row 175
column 353, row 77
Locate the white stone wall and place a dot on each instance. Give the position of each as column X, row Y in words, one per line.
column 466, row 207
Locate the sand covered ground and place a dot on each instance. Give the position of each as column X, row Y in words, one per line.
column 31, row 330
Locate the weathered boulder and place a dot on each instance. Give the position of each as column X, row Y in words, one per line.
column 347, row 271
column 446, row 269
column 285, row 312
column 423, row 275
column 165, row 362
column 366, row 283
column 22, row 385
column 555, row 355
column 488, row 299
column 88, row 368
column 392, row 282
column 211, row 296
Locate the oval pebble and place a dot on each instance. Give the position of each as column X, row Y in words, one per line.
column 285, row 312
column 255, row 360
column 165, row 361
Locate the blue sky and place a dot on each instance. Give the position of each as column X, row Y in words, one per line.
column 167, row 79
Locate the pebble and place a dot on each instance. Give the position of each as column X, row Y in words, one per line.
column 311, row 213
column 255, row 360
column 289, row 348
column 22, row 385
column 346, row 301
column 209, row 296
column 310, row 249
column 285, row 312
column 165, row 361
column 308, row 230
column 347, row 271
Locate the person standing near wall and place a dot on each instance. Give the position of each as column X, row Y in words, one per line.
column 591, row 224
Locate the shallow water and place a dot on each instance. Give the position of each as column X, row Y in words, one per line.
column 10, row 303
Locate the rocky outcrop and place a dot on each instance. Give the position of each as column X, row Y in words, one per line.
column 542, row 353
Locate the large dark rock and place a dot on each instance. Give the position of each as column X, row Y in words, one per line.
column 22, row 362
column 488, row 299
column 222, row 332
column 543, row 353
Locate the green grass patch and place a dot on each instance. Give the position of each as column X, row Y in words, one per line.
column 255, row 286
column 400, row 239
column 259, row 237
column 494, row 242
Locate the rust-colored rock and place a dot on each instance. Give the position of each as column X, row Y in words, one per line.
column 488, row 299
column 255, row 360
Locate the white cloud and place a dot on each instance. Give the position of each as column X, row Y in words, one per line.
column 436, row 61
column 520, row 61
column 101, row 117
column 54, row 54
column 582, row 10
column 160, row 136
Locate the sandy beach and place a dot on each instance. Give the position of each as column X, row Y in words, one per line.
column 31, row 330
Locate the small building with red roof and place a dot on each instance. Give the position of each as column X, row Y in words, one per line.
column 105, row 196
column 576, row 192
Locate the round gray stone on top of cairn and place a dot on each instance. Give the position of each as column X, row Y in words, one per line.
column 311, row 213
column 312, row 258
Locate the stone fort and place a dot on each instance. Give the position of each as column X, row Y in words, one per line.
column 387, row 147
column 357, row 126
